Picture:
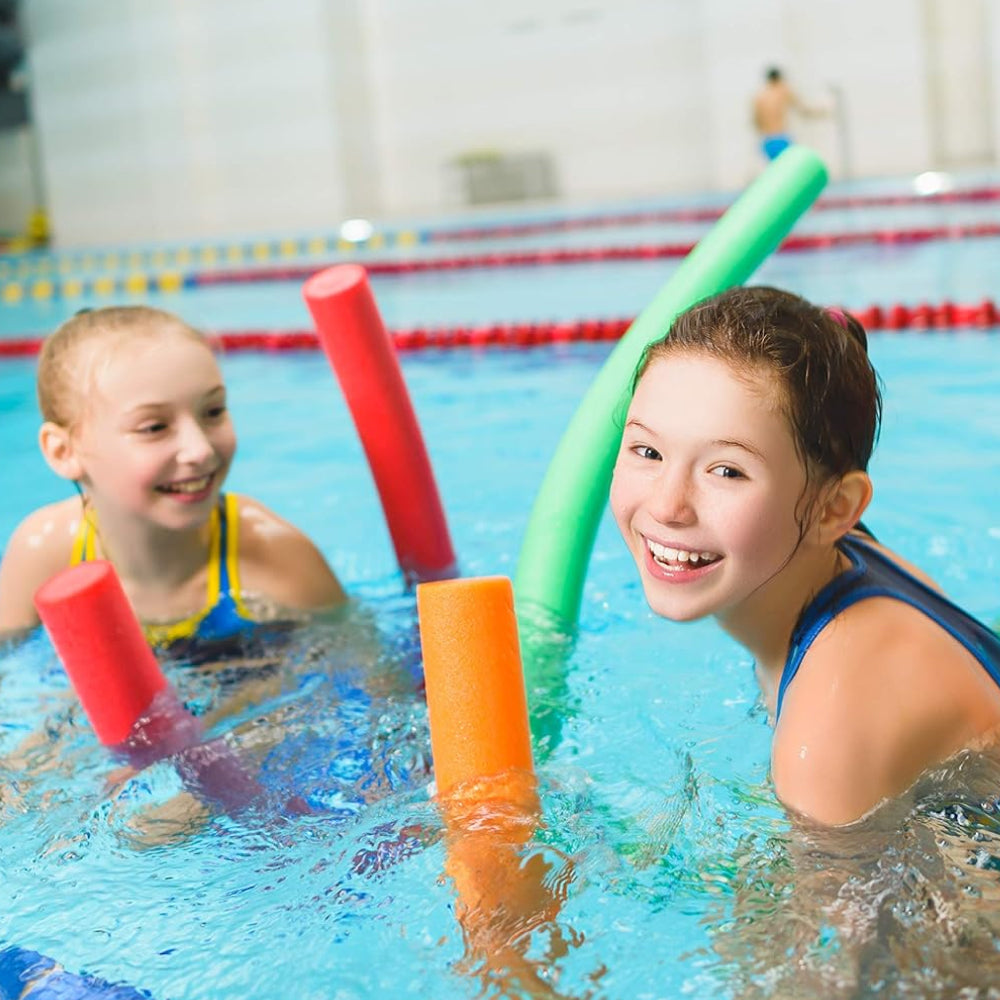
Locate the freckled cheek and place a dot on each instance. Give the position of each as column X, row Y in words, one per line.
column 766, row 532
column 622, row 499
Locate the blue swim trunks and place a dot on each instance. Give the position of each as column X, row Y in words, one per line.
column 772, row 145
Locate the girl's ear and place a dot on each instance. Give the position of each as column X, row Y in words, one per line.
column 844, row 505
column 58, row 451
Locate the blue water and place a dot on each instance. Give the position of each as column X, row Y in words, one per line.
column 682, row 874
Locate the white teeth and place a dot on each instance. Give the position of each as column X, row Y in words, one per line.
column 191, row 486
column 666, row 554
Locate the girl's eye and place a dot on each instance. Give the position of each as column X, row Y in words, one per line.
column 644, row 451
column 727, row 472
column 215, row 412
column 153, row 427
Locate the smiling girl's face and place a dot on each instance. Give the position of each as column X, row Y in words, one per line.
column 154, row 438
column 707, row 486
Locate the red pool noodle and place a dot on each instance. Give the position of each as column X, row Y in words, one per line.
column 101, row 645
column 124, row 694
column 362, row 356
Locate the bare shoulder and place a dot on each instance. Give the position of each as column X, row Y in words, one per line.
column 281, row 563
column 883, row 694
column 39, row 547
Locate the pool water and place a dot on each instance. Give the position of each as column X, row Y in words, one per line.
column 681, row 873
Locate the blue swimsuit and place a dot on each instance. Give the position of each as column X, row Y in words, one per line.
column 773, row 145
column 874, row 575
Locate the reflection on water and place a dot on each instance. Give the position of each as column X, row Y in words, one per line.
column 678, row 876
column 905, row 903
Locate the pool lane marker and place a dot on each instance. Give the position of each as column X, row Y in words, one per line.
column 570, row 503
column 138, row 284
column 154, row 262
column 22, row 265
column 124, row 694
column 361, row 354
column 924, row 317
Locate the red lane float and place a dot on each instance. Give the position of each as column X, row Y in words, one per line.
column 501, row 230
column 125, row 696
column 361, row 353
column 929, row 317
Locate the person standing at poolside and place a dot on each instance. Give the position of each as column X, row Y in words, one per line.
column 772, row 106
column 134, row 415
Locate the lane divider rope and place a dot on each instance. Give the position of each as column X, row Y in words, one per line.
column 140, row 284
column 13, row 293
column 926, row 317
column 587, row 255
column 66, row 265
column 532, row 227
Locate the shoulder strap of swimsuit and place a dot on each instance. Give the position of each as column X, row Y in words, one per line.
column 84, row 548
column 229, row 546
column 817, row 615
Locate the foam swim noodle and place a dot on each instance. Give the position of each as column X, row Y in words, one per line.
column 476, row 700
column 361, row 354
column 124, row 694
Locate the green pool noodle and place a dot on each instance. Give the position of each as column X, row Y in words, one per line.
column 567, row 511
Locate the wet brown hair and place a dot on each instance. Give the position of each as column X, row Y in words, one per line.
column 65, row 373
column 817, row 358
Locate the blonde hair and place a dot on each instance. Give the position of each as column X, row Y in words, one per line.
column 65, row 373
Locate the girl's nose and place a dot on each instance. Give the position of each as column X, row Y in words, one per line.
column 671, row 499
column 195, row 447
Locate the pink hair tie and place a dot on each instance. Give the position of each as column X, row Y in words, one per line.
column 838, row 316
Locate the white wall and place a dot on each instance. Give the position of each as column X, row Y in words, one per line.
column 991, row 39
column 959, row 71
column 611, row 89
column 170, row 120
column 644, row 96
column 212, row 118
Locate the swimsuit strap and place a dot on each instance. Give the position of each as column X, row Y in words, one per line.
column 873, row 574
column 223, row 610
column 229, row 564
column 84, row 541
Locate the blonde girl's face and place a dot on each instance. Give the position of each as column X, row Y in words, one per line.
column 706, row 487
column 154, row 437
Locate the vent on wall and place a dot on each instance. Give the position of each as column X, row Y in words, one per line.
column 486, row 176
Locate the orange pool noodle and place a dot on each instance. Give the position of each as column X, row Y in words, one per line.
column 475, row 684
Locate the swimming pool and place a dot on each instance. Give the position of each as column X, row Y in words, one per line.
column 684, row 877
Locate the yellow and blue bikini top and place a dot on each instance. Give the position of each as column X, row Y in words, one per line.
column 224, row 614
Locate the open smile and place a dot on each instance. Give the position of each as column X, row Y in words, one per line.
column 668, row 562
column 189, row 490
